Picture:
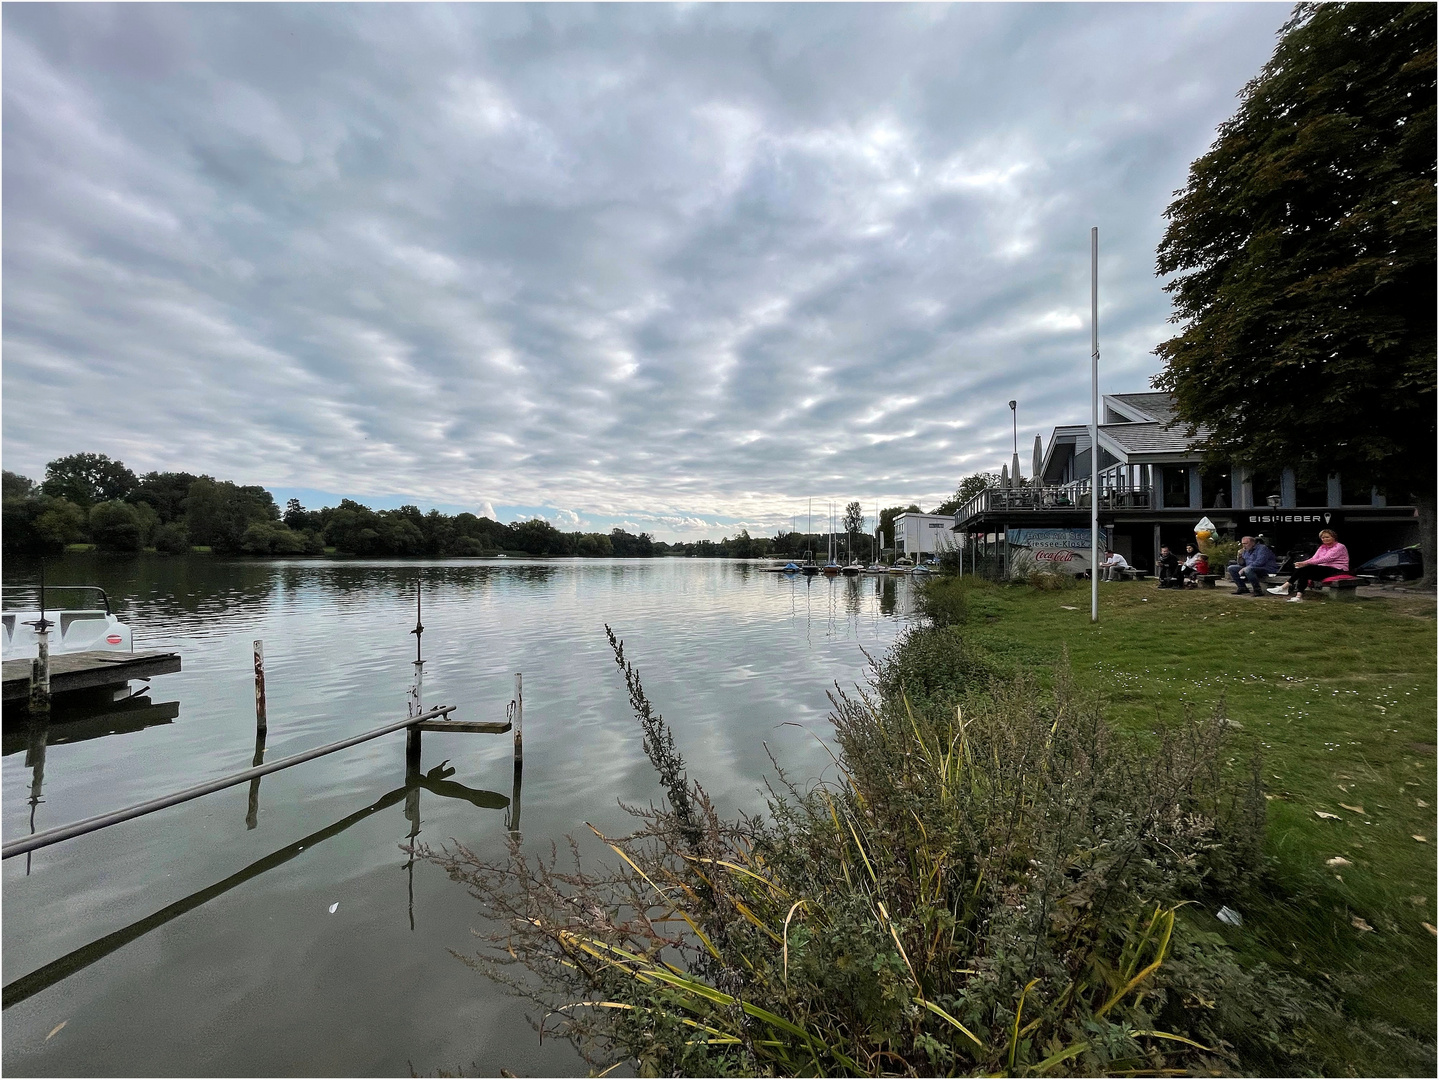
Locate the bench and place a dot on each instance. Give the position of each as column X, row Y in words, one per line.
column 1207, row 581
column 1340, row 587
column 1129, row 573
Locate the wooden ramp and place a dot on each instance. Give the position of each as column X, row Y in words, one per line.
column 88, row 670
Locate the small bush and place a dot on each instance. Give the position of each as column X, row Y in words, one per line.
column 1049, row 581
column 1221, row 554
column 172, row 538
column 942, row 600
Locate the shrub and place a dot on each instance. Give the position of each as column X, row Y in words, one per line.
column 942, row 600
column 996, row 885
column 1221, row 554
column 115, row 526
column 172, row 538
column 1049, row 581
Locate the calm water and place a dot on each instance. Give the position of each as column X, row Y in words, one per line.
column 190, row 943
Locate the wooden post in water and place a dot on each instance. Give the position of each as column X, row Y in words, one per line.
column 40, row 672
column 519, row 720
column 260, row 723
column 40, row 666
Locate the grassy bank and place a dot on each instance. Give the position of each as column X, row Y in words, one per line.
column 1340, row 701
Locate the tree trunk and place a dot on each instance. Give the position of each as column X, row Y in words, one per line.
column 1424, row 506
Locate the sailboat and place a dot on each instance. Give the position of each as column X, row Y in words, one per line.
column 831, row 568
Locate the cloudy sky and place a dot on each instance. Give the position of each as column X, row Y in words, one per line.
column 679, row 268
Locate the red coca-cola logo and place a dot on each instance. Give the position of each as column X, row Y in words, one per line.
column 1054, row 556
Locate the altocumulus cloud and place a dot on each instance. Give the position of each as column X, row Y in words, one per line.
column 677, row 267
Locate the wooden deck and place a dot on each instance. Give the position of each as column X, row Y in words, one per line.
column 88, row 670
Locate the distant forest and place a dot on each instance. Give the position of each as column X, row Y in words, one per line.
column 92, row 499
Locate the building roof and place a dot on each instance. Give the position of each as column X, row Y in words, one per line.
column 1156, row 406
column 1152, row 438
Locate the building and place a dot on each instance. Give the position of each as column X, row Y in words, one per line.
column 923, row 534
column 1154, row 487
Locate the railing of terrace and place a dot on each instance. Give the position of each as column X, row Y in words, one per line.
column 1115, row 493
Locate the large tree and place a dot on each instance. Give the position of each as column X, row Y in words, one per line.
column 86, row 479
column 1303, row 255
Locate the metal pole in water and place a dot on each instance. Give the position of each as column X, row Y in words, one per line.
column 1094, row 425
column 260, row 723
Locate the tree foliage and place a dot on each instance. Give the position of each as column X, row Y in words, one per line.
column 886, row 521
column 86, row 479
column 165, row 493
column 17, row 486
column 217, row 513
column 1303, row 248
column 968, row 488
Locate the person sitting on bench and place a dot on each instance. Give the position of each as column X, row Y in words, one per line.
column 1256, row 563
column 1196, row 564
column 1331, row 558
column 1169, row 575
column 1114, row 565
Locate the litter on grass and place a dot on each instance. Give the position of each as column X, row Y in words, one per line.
column 1230, row 916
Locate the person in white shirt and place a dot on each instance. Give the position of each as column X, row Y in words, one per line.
column 1112, row 565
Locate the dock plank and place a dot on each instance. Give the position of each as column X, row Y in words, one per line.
column 87, row 670
column 475, row 727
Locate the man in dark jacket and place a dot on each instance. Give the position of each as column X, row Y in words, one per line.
column 1256, row 563
column 1169, row 570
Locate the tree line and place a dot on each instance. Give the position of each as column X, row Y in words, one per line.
column 90, row 498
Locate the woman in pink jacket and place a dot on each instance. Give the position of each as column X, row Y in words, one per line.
column 1331, row 558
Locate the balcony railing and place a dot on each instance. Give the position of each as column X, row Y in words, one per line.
column 1114, row 494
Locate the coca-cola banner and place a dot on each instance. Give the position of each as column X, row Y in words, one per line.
column 1062, row 551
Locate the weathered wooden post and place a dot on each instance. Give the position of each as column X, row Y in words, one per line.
column 519, row 720
column 517, row 710
column 40, row 669
column 260, row 723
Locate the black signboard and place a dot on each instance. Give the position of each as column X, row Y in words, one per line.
column 1290, row 517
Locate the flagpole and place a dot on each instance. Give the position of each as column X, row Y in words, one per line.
column 1094, row 425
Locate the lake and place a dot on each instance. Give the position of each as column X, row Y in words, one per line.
column 199, row 940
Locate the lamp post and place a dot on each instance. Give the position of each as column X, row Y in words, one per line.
column 1094, row 425
column 1014, row 419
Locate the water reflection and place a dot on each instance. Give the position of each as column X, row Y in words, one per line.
column 75, row 721
column 436, row 781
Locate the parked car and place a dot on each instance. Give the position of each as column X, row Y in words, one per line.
column 1402, row 564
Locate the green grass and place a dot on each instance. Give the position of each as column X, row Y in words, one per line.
column 1339, row 699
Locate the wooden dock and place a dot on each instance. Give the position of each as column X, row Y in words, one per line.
column 88, row 670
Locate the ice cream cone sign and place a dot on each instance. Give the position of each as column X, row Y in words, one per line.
column 1203, row 533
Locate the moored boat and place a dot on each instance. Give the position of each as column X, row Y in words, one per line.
column 70, row 629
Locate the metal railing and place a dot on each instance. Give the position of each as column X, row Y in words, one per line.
column 115, row 817
column 1113, row 495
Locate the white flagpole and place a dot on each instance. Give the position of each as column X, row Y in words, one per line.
column 1094, row 425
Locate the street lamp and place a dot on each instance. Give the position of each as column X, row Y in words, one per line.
column 1014, row 416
